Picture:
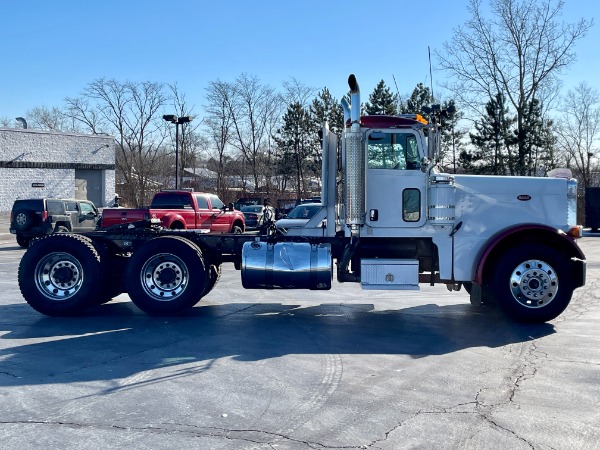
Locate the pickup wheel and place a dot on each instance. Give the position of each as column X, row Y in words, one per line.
column 61, row 229
column 531, row 283
column 167, row 276
column 23, row 219
column 66, row 274
column 236, row 229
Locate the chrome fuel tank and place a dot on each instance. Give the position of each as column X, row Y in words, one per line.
column 286, row 265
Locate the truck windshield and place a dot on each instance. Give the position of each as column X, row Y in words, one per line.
column 397, row 151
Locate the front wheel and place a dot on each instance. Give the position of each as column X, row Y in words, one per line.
column 59, row 274
column 167, row 276
column 531, row 283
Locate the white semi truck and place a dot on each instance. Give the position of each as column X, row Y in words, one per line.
column 390, row 220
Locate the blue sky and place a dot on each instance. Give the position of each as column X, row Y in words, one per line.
column 53, row 49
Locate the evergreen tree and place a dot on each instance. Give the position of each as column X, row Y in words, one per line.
column 382, row 101
column 495, row 139
column 326, row 108
column 538, row 138
column 421, row 96
column 451, row 138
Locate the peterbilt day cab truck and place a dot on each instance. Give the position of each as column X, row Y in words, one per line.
column 181, row 210
column 389, row 220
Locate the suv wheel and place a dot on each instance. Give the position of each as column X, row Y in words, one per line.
column 23, row 241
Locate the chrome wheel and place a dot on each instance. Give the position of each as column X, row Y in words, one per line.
column 164, row 277
column 534, row 283
column 58, row 276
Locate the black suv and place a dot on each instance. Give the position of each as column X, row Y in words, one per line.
column 36, row 217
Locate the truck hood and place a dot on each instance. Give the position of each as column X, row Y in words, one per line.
column 481, row 201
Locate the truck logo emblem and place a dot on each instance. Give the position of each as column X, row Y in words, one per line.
column 524, row 197
column 389, row 278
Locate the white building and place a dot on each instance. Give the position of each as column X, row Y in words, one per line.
column 36, row 163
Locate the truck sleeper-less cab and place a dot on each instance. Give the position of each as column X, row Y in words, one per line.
column 388, row 220
column 179, row 210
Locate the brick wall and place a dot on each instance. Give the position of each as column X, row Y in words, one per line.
column 50, row 160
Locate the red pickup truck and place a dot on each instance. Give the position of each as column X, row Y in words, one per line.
column 181, row 209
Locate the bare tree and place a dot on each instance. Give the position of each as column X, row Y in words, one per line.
column 190, row 142
column 83, row 111
column 297, row 92
column 253, row 109
column 129, row 111
column 6, row 122
column 579, row 131
column 52, row 119
column 219, row 96
column 519, row 52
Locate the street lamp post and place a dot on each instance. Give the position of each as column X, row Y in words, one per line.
column 177, row 121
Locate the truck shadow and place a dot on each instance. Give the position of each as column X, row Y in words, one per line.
column 117, row 340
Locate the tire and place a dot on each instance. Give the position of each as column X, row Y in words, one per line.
column 61, row 229
column 214, row 275
column 23, row 219
column 167, row 276
column 237, row 230
column 531, row 283
column 112, row 276
column 66, row 273
column 23, row 241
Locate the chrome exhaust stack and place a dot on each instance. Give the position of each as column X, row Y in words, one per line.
column 355, row 162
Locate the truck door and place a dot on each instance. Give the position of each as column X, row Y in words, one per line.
column 221, row 220
column 203, row 213
column 87, row 218
column 395, row 185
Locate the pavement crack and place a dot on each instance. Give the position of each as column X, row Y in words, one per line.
column 10, row 374
column 254, row 436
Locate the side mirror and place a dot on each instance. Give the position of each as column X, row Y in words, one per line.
column 231, row 207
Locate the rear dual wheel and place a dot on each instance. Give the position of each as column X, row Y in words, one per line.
column 60, row 275
column 167, row 276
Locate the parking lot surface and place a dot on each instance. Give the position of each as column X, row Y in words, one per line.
column 339, row 369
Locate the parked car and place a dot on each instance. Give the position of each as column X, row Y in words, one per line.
column 35, row 217
column 299, row 216
column 257, row 215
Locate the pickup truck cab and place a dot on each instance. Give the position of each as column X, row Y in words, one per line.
column 179, row 210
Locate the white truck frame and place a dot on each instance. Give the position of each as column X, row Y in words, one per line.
column 389, row 220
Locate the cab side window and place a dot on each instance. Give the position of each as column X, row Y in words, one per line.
column 202, row 202
column 411, row 205
column 216, row 202
column 71, row 206
column 86, row 208
column 396, row 151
